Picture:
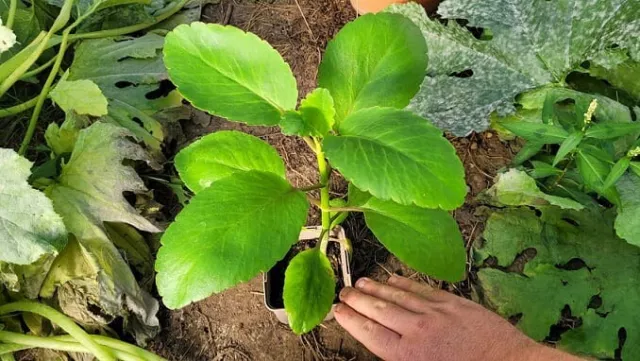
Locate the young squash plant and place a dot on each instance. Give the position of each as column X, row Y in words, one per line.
column 245, row 216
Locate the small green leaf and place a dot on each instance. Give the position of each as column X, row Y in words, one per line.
column 616, row 172
column 594, row 168
column 309, row 290
column 612, row 130
column 376, row 60
column 427, row 240
column 81, row 96
column 543, row 170
column 396, row 155
column 315, row 117
column 516, row 188
column 230, row 73
column 568, row 146
column 223, row 153
column 539, row 133
column 530, row 149
column 635, row 167
column 230, row 232
column 61, row 139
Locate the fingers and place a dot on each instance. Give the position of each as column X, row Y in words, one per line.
column 402, row 298
column 377, row 338
column 386, row 313
column 423, row 290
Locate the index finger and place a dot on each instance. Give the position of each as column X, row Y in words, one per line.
column 375, row 337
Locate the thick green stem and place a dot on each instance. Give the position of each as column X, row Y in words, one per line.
column 129, row 29
column 13, row 6
column 38, row 70
column 42, row 41
column 325, row 173
column 67, row 324
column 17, row 109
column 311, row 188
column 33, row 122
column 26, row 342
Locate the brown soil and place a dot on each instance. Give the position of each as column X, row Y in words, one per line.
column 235, row 325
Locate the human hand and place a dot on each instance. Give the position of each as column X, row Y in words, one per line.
column 408, row 321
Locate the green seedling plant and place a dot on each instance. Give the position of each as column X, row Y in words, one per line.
column 403, row 175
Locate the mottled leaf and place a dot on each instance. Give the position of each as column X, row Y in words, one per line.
column 531, row 44
column 230, row 232
column 309, row 290
column 130, row 72
column 31, row 232
column 396, row 155
column 246, row 79
column 221, row 154
column 608, row 270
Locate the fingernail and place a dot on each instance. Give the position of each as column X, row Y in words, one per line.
column 362, row 282
column 344, row 292
column 339, row 307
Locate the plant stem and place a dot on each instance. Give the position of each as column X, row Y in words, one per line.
column 33, row 122
column 311, row 188
column 330, row 209
column 13, row 6
column 118, row 345
column 17, row 109
column 61, row 320
column 42, row 41
column 38, row 70
column 325, row 173
column 129, row 29
column 26, row 342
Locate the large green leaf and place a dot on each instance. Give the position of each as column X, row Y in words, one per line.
column 628, row 220
column 516, row 188
column 130, row 72
column 376, row 60
column 427, row 240
column 88, row 193
column 315, row 116
column 31, row 233
column 309, row 290
column 245, row 79
column 397, row 155
column 238, row 227
column 610, row 274
column 622, row 74
column 530, row 44
column 221, row 154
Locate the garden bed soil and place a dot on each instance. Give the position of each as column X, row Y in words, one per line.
column 235, row 325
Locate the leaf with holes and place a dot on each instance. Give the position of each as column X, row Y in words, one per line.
column 131, row 74
column 578, row 259
column 527, row 45
column 88, row 193
column 628, row 220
